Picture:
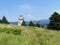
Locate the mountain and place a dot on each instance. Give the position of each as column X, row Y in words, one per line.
column 15, row 23
column 43, row 22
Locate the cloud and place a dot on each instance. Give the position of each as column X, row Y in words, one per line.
column 25, row 6
column 31, row 17
column 58, row 11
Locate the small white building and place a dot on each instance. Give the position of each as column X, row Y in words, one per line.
column 20, row 20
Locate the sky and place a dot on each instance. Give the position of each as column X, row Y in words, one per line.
column 30, row 9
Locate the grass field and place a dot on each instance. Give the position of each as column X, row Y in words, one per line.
column 28, row 36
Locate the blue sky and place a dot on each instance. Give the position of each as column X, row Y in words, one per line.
column 30, row 9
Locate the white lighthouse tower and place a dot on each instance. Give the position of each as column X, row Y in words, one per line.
column 20, row 20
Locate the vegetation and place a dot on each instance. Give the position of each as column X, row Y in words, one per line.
column 37, row 24
column 4, row 20
column 11, row 31
column 54, row 21
column 0, row 21
column 31, row 24
column 28, row 36
column 23, row 23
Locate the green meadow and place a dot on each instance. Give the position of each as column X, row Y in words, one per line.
column 20, row 35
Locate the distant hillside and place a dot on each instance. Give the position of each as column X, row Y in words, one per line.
column 43, row 22
column 15, row 23
column 28, row 36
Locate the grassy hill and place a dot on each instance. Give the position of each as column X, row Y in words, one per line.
column 28, row 36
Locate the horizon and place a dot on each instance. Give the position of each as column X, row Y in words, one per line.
column 30, row 9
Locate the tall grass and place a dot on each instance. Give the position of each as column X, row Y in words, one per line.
column 28, row 36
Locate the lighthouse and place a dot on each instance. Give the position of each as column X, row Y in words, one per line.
column 20, row 20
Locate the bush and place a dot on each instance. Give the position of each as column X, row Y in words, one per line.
column 17, row 32
column 11, row 31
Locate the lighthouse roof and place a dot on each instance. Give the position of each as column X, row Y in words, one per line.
column 21, row 17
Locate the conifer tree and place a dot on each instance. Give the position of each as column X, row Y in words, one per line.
column 31, row 24
column 37, row 24
column 54, row 21
column 23, row 23
column 0, row 21
column 4, row 20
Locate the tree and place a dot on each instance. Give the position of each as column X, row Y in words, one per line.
column 31, row 24
column 0, row 21
column 4, row 20
column 23, row 23
column 54, row 21
column 37, row 24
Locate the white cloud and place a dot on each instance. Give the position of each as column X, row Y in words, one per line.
column 31, row 17
column 58, row 11
column 25, row 6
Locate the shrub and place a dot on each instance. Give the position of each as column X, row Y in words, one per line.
column 17, row 32
column 11, row 31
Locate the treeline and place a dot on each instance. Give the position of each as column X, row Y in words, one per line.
column 4, row 20
column 53, row 24
column 31, row 24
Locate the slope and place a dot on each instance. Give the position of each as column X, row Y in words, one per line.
column 28, row 36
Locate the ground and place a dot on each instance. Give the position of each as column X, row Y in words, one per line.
column 28, row 36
